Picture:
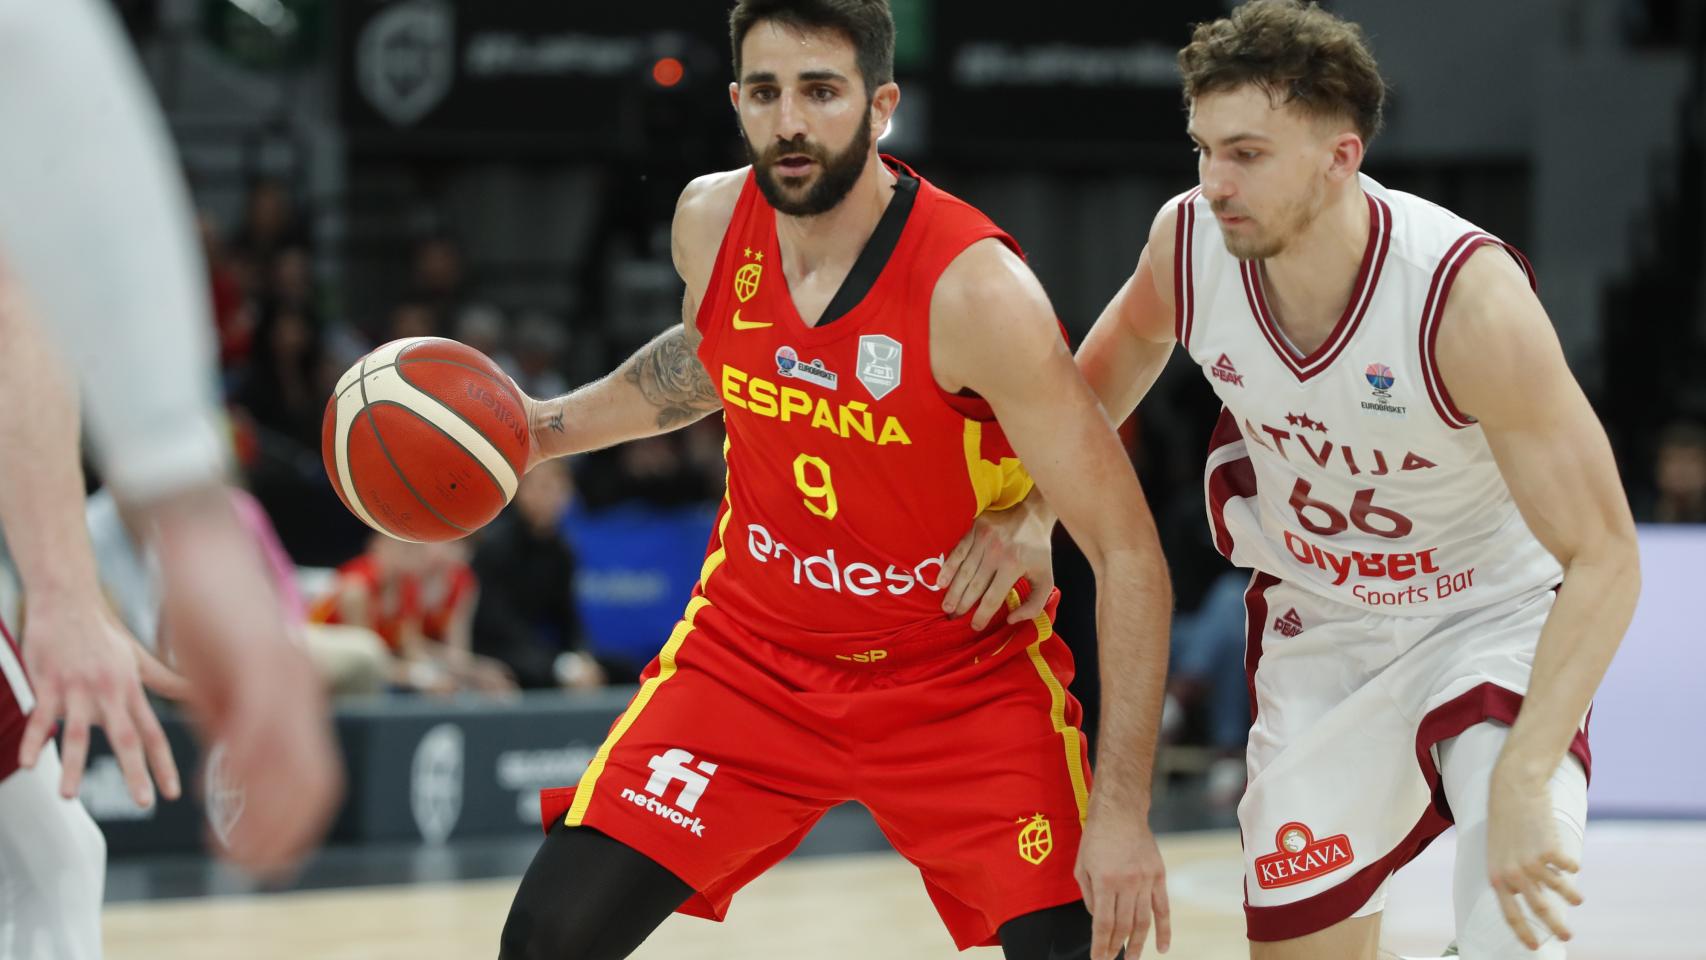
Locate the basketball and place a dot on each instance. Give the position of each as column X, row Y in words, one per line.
column 425, row 439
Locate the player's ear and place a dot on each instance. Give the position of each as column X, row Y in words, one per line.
column 1346, row 157
column 734, row 95
column 883, row 104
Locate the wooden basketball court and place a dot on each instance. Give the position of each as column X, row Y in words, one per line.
column 1638, row 883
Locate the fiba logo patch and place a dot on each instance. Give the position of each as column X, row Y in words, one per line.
column 405, row 59
column 1381, row 378
column 435, row 782
column 1036, row 839
column 879, row 364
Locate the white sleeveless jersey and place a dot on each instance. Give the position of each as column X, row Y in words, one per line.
column 1349, row 472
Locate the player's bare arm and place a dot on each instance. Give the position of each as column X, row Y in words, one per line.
column 993, row 332
column 663, row 386
column 83, row 663
column 1556, row 459
column 1131, row 341
column 1121, row 358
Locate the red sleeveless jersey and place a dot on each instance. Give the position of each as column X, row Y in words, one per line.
column 851, row 474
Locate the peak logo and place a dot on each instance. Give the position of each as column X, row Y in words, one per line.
column 1225, row 372
column 1301, row 857
column 1289, row 625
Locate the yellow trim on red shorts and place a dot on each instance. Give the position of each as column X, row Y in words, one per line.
column 1071, row 739
column 666, row 669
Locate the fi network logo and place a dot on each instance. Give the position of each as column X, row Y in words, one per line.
column 670, row 767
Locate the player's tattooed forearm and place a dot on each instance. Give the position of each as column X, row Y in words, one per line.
column 549, row 416
column 670, row 377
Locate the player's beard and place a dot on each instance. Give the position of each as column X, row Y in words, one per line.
column 836, row 173
column 1263, row 244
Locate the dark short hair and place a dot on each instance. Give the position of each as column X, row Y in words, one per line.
column 1297, row 52
column 868, row 24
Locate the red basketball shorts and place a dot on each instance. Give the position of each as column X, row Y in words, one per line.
column 971, row 761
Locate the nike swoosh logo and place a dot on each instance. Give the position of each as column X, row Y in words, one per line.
column 748, row 324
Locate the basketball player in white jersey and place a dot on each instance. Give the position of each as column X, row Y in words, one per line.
column 1444, row 557
column 95, row 234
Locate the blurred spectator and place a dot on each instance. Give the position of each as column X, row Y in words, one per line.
column 526, row 616
column 1206, row 676
column 483, row 328
column 292, row 280
column 1679, row 477
column 351, row 660
column 233, row 317
column 270, row 224
column 288, row 381
column 440, row 280
column 656, row 471
column 539, row 343
column 420, row 598
column 411, row 318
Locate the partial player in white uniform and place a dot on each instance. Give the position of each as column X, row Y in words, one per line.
column 1444, row 558
column 95, row 236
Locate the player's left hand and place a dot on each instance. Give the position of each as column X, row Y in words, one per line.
column 1001, row 547
column 1124, row 884
column 1524, row 858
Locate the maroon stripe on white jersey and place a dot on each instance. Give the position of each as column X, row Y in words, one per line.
column 1433, row 310
column 1233, row 476
column 1255, row 624
column 1183, row 286
column 1367, row 281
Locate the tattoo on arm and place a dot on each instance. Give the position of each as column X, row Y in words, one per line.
column 669, row 375
column 555, row 421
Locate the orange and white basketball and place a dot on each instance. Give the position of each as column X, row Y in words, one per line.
column 425, row 439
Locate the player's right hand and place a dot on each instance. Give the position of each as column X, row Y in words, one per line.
column 87, row 670
column 1002, row 547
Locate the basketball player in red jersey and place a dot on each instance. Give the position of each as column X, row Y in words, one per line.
column 880, row 352
column 1444, row 558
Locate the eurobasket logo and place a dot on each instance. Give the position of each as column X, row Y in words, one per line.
column 789, row 364
column 1381, row 378
column 1301, row 857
